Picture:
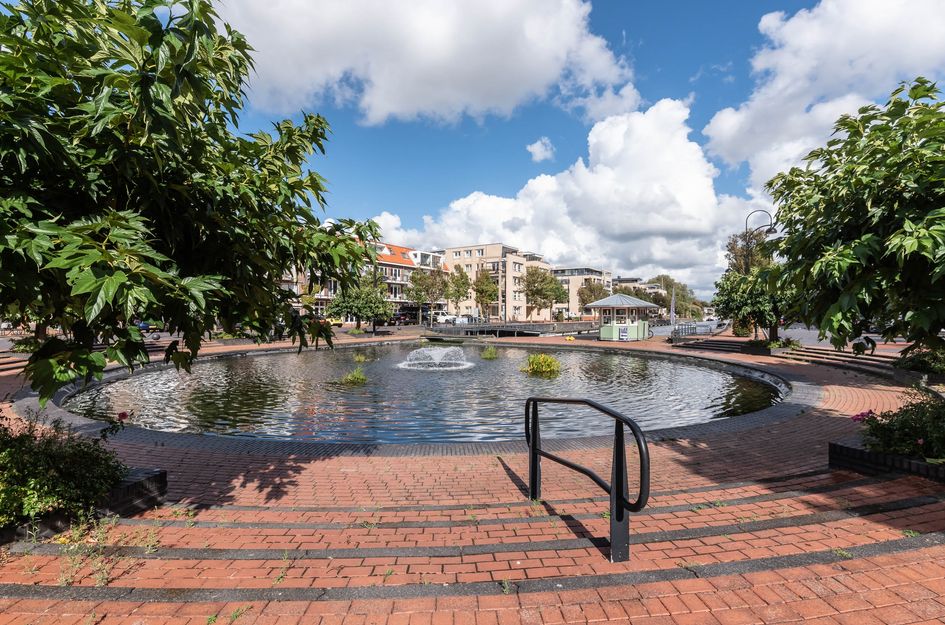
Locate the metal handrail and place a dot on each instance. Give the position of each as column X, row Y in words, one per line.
column 618, row 489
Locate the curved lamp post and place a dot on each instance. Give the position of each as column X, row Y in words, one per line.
column 769, row 229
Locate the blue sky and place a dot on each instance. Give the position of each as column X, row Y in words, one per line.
column 665, row 118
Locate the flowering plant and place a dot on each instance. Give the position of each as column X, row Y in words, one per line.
column 917, row 429
column 115, row 425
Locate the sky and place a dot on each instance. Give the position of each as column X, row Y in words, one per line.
column 624, row 135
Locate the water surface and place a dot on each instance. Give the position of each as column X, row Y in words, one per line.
column 298, row 396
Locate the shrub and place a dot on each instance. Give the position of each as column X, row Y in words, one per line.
column 26, row 345
column 741, row 329
column 542, row 365
column 489, row 353
column 355, row 378
column 51, row 470
column 359, row 357
column 917, row 429
column 778, row 344
column 923, row 361
column 355, row 331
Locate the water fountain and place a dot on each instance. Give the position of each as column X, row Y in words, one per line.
column 439, row 358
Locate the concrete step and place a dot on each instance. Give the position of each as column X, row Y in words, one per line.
column 820, row 351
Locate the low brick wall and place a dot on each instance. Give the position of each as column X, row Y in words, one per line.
column 852, row 454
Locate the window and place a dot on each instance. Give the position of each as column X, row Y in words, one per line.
column 468, row 253
column 456, row 254
column 621, row 317
column 480, row 252
column 468, row 268
column 517, row 267
column 606, row 316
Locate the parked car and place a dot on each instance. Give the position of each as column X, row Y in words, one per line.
column 402, row 319
column 150, row 326
column 335, row 321
column 444, row 318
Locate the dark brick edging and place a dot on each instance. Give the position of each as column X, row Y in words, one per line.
column 798, row 397
column 204, row 595
column 852, row 454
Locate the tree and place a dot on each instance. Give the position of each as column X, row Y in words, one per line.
column 126, row 192
column 485, row 292
column 365, row 302
column 685, row 298
column 654, row 298
column 457, row 287
column 426, row 288
column 750, row 301
column 863, row 224
column 542, row 290
column 591, row 292
column 746, row 251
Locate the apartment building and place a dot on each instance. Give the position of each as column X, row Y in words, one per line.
column 638, row 283
column 395, row 264
column 506, row 265
column 628, row 281
column 573, row 278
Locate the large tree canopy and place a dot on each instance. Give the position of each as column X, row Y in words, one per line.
column 750, row 300
column 864, row 223
column 541, row 289
column 126, row 192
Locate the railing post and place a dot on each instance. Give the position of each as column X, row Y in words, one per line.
column 619, row 492
column 534, row 460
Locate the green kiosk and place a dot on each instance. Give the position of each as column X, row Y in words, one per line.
column 623, row 318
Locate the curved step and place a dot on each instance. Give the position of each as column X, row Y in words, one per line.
column 856, row 590
column 357, row 568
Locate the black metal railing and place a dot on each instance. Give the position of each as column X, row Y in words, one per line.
column 618, row 489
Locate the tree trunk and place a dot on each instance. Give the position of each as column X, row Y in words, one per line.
column 773, row 332
column 39, row 333
column 358, row 323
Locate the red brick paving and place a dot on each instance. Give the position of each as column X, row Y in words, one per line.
column 357, row 494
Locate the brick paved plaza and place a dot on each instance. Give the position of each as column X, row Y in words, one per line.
column 743, row 526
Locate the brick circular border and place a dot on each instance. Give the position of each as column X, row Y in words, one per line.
column 798, row 396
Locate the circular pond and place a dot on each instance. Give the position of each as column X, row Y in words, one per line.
column 301, row 396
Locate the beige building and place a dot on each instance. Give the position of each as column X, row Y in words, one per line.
column 395, row 265
column 628, row 281
column 506, row 265
column 573, row 278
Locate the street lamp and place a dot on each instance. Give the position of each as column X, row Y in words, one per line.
column 769, row 230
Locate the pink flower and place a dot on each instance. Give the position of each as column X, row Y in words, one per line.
column 122, row 416
column 921, row 441
column 863, row 416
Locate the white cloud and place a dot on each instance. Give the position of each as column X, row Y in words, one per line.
column 641, row 203
column 541, row 150
column 818, row 64
column 428, row 58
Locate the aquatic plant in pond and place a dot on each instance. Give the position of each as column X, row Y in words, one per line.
column 489, row 353
column 355, row 378
column 542, row 365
